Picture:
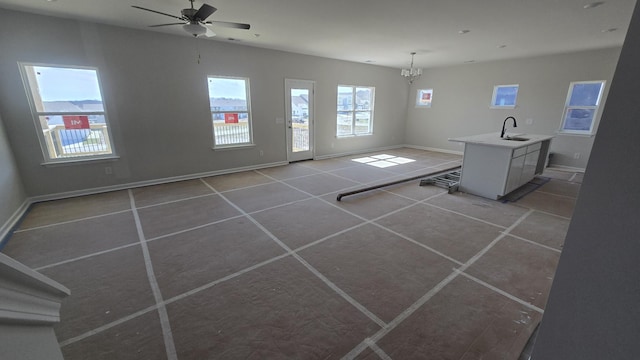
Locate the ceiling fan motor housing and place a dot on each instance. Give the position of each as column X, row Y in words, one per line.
column 189, row 13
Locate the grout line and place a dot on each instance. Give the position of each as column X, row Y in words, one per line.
column 536, row 243
column 173, row 201
column 557, row 195
column 501, row 292
column 194, row 228
column 376, row 349
column 107, row 326
column 162, row 310
column 86, row 256
column 465, row 215
column 313, row 270
column 372, row 221
column 426, row 297
column 70, row 221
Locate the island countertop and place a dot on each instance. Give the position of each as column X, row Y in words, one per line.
column 493, row 139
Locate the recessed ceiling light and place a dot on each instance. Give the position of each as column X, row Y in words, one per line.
column 469, row 61
column 464, row 31
column 610, row 30
column 501, row 46
column 370, row 61
column 256, row 35
column 52, row 0
column 593, row 5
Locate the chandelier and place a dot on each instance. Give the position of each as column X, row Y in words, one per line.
column 412, row 73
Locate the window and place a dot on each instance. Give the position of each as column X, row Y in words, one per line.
column 69, row 112
column 581, row 107
column 230, row 111
column 504, row 96
column 424, row 98
column 355, row 110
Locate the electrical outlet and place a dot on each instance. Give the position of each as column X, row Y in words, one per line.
column 528, row 121
column 108, row 170
column 576, row 156
column 332, row 145
column 261, row 153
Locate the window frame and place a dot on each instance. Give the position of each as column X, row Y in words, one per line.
column 247, row 85
column 568, row 107
column 424, row 103
column 493, row 104
column 354, row 111
column 27, row 78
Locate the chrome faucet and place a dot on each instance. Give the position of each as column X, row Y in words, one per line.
column 505, row 123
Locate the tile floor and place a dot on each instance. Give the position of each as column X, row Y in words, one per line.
column 267, row 264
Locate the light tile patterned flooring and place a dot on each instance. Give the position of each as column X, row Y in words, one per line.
column 267, row 264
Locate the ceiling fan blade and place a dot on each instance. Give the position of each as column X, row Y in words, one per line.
column 159, row 25
column 204, row 12
column 157, row 12
column 232, row 25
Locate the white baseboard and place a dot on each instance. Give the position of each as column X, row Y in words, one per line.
column 566, row 168
column 426, row 148
column 91, row 191
column 7, row 227
column 331, row 156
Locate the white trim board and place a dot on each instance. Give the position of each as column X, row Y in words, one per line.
column 8, row 226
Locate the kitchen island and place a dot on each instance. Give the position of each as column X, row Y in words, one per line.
column 493, row 166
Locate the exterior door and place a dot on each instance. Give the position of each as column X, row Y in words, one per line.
column 299, row 119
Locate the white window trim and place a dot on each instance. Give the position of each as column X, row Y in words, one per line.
column 249, row 115
column 591, row 131
column 495, row 94
column 36, row 117
column 353, row 118
column 418, row 98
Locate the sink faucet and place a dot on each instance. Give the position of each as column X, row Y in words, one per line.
column 505, row 123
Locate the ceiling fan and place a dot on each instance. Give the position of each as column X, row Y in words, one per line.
column 194, row 21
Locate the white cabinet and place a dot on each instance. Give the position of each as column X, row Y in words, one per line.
column 522, row 168
column 493, row 168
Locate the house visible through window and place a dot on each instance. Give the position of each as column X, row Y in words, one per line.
column 230, row 111
column 581, row 107
column 355, row 110
column 504, row 96
column 69, row 112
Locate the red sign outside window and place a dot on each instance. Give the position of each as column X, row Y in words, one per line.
column 230, row 118
column 76, row 122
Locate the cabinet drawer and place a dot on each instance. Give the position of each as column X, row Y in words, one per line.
column 519, row 152
column 533, row 147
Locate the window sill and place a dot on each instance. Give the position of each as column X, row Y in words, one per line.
column 352, row 136
column 502, row 107
column 232, row 147
column 560, row 132
column 79, row 161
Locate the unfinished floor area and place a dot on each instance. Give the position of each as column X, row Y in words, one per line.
column 267, row 264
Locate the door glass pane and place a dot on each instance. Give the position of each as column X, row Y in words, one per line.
column 299, row 120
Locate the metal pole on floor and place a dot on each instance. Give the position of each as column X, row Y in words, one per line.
column 435, row 173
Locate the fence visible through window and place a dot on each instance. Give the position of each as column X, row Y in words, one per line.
column 230, row 134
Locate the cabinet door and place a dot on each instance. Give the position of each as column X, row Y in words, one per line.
column 530, row 164
column 515, row 172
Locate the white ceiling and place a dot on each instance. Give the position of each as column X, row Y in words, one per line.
column 381, row 32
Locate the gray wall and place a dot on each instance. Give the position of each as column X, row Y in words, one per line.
column 462, row 95
column 592, row 311
column 12, row 194
column 157, row 100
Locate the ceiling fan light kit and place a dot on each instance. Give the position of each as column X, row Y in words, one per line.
column 194, row 29
column 194, row 21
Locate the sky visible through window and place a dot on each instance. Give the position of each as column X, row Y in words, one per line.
column 64, row 84
column 227, row 88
